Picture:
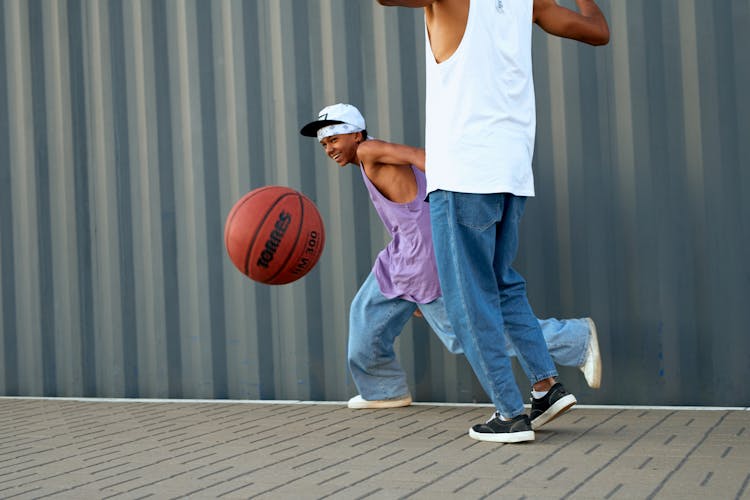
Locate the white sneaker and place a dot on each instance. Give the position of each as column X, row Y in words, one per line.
column 592, row 365
column 358, row 403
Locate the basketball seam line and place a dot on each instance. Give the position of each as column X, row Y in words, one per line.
column 296, row 240
column 235, row 210
column 257, row 232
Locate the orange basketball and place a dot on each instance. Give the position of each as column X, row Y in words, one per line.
column 274, row 235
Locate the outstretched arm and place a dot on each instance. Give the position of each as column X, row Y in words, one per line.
column 377, row 153
column 588, row 26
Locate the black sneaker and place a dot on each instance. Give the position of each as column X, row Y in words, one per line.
column 504, row 431
column 556, row 402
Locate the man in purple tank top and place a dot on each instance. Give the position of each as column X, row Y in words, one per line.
column 404, row 280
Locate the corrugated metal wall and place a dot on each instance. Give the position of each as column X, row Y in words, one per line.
column 128, row 129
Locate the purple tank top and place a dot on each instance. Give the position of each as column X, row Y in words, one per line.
column 406, row 268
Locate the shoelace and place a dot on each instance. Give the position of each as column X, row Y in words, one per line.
column 493, row 417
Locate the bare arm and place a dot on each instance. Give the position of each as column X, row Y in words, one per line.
column 379, row 153
column 588, row 25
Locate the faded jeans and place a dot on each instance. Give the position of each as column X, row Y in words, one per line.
column 476, row 240
column 375, row 321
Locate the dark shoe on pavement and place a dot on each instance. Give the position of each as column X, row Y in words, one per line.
column 516, row 430
column 556, row 402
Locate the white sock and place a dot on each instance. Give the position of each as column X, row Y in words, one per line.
column 498, row 415
column 538, row 394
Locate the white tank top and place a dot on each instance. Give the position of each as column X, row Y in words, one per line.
column 480, row 112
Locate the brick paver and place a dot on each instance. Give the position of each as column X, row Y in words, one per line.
column 56, row 448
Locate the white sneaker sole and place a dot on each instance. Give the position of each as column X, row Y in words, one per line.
column 561, row 406
column 592, row 367
column 357, row 403
column 502, row 437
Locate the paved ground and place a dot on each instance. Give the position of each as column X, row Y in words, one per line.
column 95, row 449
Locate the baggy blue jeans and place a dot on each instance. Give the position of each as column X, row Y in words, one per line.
column 476, row 239
column 375, row 321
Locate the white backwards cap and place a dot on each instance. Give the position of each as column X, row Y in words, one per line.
column 333, row 120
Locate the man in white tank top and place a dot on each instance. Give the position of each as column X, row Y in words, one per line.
column 479, row 141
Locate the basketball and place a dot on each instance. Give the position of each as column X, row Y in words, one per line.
column 274, row 235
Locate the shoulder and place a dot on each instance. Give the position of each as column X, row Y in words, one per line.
column 372, row 144
column 371, row 149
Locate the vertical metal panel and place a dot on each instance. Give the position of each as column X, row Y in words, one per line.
column 128, row 130
column 9, row 373
column 24, row 202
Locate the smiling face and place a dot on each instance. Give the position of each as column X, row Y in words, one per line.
column 342, row 148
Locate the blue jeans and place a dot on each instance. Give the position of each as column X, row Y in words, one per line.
column 476, row 240
column 375, row 321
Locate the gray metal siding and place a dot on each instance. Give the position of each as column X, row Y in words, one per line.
column 128, row 130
